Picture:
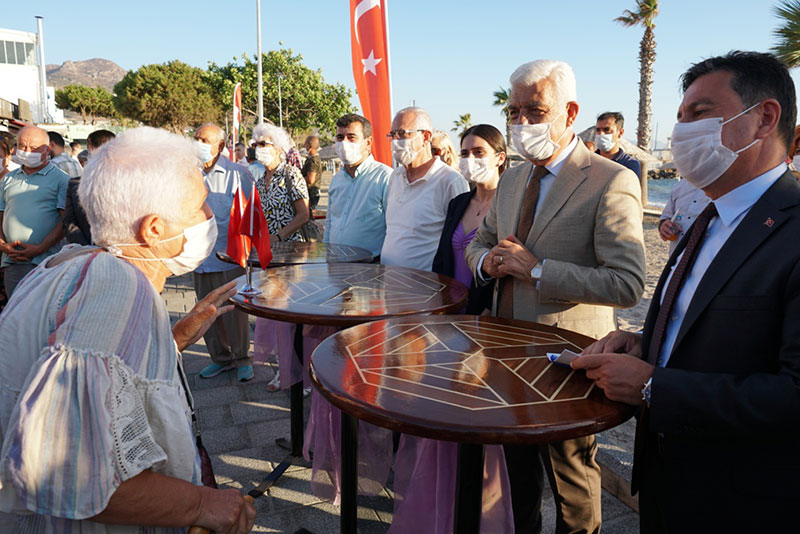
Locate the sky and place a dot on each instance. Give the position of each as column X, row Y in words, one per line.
column 447, row 56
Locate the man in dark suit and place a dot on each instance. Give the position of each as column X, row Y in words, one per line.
column 717, row 368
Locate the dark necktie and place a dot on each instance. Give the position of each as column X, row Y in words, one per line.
column 678, row 278
column 505, row 303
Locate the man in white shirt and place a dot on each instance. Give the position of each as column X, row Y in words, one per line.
column 420, row 190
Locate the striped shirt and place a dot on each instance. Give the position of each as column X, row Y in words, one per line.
column 90, row 393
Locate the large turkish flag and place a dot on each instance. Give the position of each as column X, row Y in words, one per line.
column 369, row 40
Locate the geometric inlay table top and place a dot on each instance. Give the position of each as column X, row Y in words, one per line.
column 295, row 252
column 463, row 378
column 345, row 294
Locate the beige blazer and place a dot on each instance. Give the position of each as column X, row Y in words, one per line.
column 589, row 231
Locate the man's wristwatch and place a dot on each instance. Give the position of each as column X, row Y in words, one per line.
column 646, row 391
column 536, row 272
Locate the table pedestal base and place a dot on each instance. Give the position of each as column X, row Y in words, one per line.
column 469, row 489
column 295, row 443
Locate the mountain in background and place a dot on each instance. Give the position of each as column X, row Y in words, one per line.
column 91, row 72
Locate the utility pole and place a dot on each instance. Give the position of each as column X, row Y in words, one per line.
column 260, row 77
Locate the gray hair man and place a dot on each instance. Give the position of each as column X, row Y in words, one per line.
column 32, row 200
column 563, row 237
column 420, row 189
column 228, row 339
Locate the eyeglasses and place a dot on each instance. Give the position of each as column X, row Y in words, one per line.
column 263, row 144
column 401, row 134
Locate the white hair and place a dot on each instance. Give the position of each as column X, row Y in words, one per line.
column 422, row 120
column 220, row 131
column 560, row 72
column 144, row 171
column 277, row 135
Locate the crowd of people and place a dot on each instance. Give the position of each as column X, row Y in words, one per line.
column 97, row 422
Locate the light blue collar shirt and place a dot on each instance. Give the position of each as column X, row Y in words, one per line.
column 357, row 206
column 731, row 208
column 222, row 182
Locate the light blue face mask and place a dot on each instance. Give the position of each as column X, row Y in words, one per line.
column 205, row 151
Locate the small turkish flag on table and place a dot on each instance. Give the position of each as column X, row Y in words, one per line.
column 254, row 226
column 369, row 40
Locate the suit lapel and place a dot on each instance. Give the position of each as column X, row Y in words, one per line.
column 750, row 233
column 569, row 178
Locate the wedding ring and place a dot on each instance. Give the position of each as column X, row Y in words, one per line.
column 499, row 259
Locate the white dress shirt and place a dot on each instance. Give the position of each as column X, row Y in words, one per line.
column 415, row 214
column 731, row 208
column 688, row 202
column 544, row 187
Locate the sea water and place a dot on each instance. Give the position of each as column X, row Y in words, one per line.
column 658, row 191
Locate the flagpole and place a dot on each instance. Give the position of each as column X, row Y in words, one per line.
column 388, row 54
column 249, row 289
column 260, row 76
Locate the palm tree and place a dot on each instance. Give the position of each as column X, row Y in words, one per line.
column 501, row 100
column 788, row 35
column 463, row 123
column 645, row 14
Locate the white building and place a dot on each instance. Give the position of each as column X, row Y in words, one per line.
column 20, row 77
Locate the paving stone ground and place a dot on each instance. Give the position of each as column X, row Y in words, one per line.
column 240, row 423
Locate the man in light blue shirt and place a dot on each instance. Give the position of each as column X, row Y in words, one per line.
column 358, row 192
column 228, row 339
column 32, row 200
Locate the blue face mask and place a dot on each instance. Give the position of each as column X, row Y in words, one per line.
column 205, row 151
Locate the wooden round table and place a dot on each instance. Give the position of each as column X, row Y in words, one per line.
column 347, row 294
column 342, row 295
column 297, row 252
column 473, row 380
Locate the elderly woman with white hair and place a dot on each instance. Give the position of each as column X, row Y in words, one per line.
column 96, row 420
column 282, row 189
column 284, row 199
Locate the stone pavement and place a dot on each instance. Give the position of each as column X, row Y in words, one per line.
column 240, row 423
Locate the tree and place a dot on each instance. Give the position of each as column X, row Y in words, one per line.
column 788, row 35
column 90, row 102
column 172, row 95
column 501, row 100
column 463, row 123
column 308, row 102
column 645, row 14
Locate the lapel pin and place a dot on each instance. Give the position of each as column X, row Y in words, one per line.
column 769, row 222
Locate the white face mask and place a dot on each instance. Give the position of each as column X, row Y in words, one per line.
column 264, row 155
column 698, row 152
column 205, row 151
column 796, row 162
column 477, row 170
column 349, row 153
column 27, row 159
column 533, row 140
column 403, row 151
column 604, row 142
column 200, row 240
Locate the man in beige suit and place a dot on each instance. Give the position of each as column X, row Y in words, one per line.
column 564, row 237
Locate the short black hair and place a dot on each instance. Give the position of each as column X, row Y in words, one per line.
column 98, row 138
column 346, row 120
column 619, row 120
column 237, row 145
column 74, row 144
column 756, row 77
column 56, row 138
